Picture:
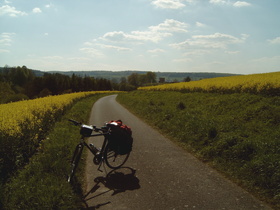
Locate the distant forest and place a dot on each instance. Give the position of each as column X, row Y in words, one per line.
column 116, row 76
column 21, row 83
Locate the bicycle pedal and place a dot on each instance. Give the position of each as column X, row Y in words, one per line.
column 96, row 160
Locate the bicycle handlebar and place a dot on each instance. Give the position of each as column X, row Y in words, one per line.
column 75, row 122
column 88, row 127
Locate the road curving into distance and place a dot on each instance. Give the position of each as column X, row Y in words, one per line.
column 158, row 173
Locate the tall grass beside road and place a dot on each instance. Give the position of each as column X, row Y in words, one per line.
column 236, row 133
column 24, row 124
column 42, row 183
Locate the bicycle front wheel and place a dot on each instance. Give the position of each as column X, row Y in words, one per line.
column 114, row 160
column 75, row 160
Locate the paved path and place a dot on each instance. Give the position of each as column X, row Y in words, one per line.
column 158, row 174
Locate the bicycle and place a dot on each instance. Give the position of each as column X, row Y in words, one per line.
column 106, row 154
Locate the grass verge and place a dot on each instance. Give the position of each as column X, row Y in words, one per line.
column 42, row 184
column 236, row 133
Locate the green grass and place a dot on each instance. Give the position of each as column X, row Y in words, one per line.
column 42, row 184
column 236, row 133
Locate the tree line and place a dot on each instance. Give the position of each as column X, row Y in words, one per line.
column 20, row 83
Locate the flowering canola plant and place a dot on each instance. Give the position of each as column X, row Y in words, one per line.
column 25, row 123
column 267, row 83
column 14, row 115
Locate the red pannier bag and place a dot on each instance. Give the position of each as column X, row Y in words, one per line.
column 120, row 137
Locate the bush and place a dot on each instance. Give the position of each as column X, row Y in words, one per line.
column 16, row 97
column 181, row 106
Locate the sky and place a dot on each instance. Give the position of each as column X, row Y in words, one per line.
column 224, row 36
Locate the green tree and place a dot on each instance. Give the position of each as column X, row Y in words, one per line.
column 20, row 75
column 45, row 92
column 123, row 80
column 133, row 79
column 88, row 83
column 141, row 79
column 75, row 83
column 32, row 89
column 5, row 91
column 151, row 77
column 187, row 79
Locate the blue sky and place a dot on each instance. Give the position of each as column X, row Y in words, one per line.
column 226, row 36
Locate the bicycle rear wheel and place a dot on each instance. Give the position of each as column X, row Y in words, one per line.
column 75, row 161
column 114, row 160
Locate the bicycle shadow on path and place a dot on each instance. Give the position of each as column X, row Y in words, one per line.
column 117, row 181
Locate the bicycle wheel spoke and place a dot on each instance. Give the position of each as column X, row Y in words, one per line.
column 113, row 159
column 111, row 156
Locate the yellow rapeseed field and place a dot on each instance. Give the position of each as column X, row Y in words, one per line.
column 24, row 125
column 267, row 83
column 29, row 114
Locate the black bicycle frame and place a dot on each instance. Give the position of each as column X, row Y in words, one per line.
column 101, row 152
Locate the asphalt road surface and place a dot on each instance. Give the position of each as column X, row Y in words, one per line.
column 158, row 174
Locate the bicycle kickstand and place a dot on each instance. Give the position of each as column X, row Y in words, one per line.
column 99, row 168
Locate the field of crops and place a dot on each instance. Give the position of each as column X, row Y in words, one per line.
column 42, row 182
column 236, row 133
column 267, row 83
column 24, row 124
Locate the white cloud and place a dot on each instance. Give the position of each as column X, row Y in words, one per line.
column 182, row 60
column 218, row 1
column 241, row 4
column 92, row 52
column 122, row 41
column 118, row 48
column 170, row 25
column 244, row 36
column 274, row 41
column 37, row 10
column 6, row 39
column 199, row 24
column 88, row 43
column 48, row 5
column 214, row 41
column 156, row 51
column 11, row 11
column 153, row 34
column 4, row 51
column 227, row 2
column 134, row 36
column 115, row 36
column 232, row 52
column 125, row 42
column 168, row 4
column 78, row 59
column 196, row 52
